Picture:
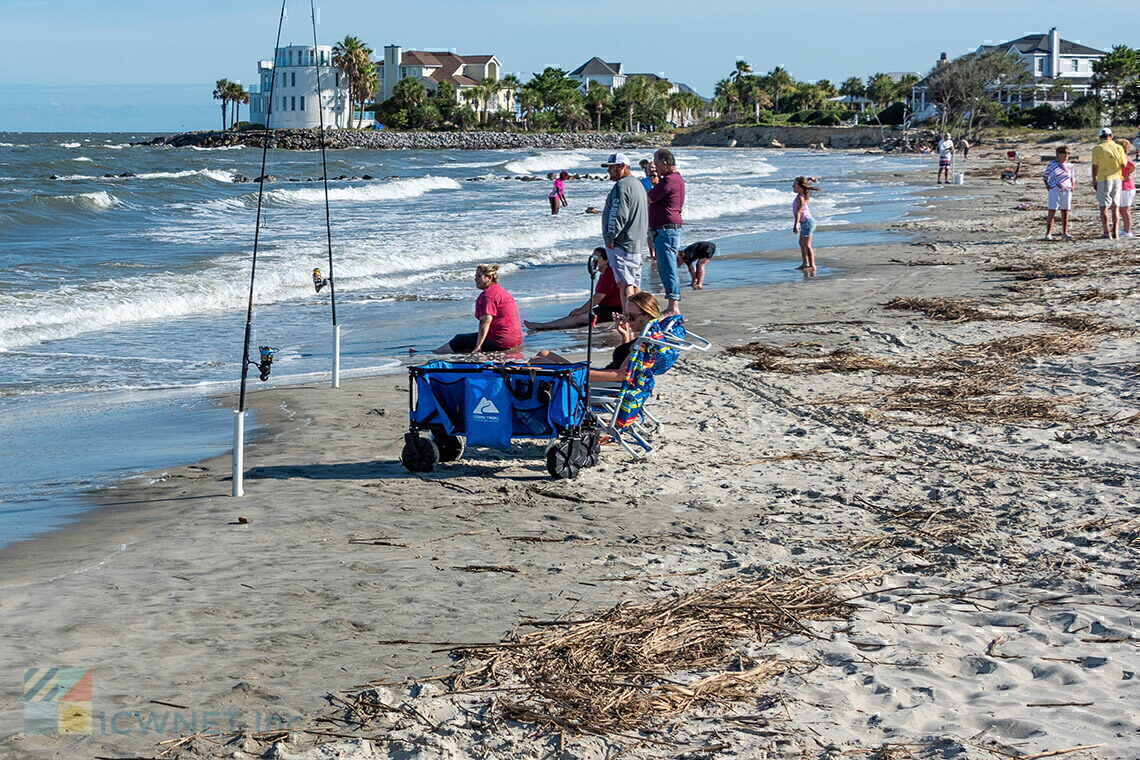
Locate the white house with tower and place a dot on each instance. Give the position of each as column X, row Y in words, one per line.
column 291, row 80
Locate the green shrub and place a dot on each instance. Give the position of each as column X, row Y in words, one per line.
column 1084, row 113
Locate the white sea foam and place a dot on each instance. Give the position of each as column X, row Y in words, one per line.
column 70, row 145
column 381, row 191
column 220, row 147
column 546, row 162
column 83, row 158
column 216, row 174
column 100, row 199
column 115, row 146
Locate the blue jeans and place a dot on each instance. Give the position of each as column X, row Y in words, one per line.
column 666, row 243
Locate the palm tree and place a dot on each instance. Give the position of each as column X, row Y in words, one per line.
column 491, row 89
column 634, row 95
column 852, row 88
column 511, row 85
column 529, row 100
column 238, row 96
column 742, row 69
column 778, row 80
column 598, row 98
column 354, row 59
column 222, row 92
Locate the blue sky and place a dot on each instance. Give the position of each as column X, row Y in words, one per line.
column 87, row 52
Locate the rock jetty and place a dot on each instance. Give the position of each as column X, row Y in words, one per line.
column 309, row 139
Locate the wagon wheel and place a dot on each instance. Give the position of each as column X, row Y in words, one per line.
column 592, row 443
column 564, row 458
column 450, row 446
column 419, row 454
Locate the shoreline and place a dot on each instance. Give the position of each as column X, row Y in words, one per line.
column 734, row 268
column 196, row 609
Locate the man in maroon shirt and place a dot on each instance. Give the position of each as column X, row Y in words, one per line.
column 666, row 199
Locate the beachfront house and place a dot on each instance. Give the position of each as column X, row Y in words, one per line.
column 1062, row 71
column 291, row 77
column 609, row 75
column 430, row 68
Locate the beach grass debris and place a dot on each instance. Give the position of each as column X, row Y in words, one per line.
column 633, row 664
column 983, row 397
column 945, row 309
column 1024, row 347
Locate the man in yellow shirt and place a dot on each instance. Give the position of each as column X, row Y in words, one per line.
column 1107, row 161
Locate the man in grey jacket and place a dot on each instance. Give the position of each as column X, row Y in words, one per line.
column 625, row 225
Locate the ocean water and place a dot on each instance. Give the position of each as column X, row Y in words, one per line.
column 122, row 306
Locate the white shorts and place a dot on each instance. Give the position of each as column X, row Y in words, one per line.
column 1060, row 200
column 1126, row 198
column 626, row 266
column 1108, row 193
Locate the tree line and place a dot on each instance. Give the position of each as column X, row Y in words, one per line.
column 976, row 90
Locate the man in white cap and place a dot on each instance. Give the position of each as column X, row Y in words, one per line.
column 1108, row 161
column 625, row 225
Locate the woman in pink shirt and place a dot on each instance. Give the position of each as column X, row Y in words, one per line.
column 498, row 315
column 1127, row 188
column 557, row 195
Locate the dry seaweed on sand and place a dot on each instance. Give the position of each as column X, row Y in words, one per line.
column 1022, row 347
column 1092, row 294
column 629, row 666
column 1079, row 323
column 946, row 309
column 624, row 667
column 846, row 360
column 976, row 398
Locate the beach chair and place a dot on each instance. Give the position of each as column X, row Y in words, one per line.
column 671, row 339
column 616, row 414
column 461, row 404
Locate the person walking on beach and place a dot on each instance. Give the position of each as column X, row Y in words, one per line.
column 1060, row 180
column 802, row 222
column 1127, row 188
column 1108, row 161
column 625, row 225
column 498, row 315
column 666, row 200
column 945, row 157
column 557, row 195
column 601, row 306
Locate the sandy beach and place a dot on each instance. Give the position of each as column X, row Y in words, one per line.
column 962, row 472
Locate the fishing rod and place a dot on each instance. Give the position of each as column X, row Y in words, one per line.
column 266, row 352
column 319, row 281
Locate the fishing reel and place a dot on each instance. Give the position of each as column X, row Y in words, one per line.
column 319, row 281
column 266, row 364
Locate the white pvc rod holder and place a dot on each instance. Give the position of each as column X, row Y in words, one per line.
column 336, row 357
column 239, row 454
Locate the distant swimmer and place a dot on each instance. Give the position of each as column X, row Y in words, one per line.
column 557, row 195
column 591, row 210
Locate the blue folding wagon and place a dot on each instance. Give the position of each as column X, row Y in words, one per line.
column 460, row 404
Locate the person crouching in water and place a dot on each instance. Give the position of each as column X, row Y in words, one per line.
column 602, row 306
column 802, row 222
column 499, row 327
column 557, row 195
